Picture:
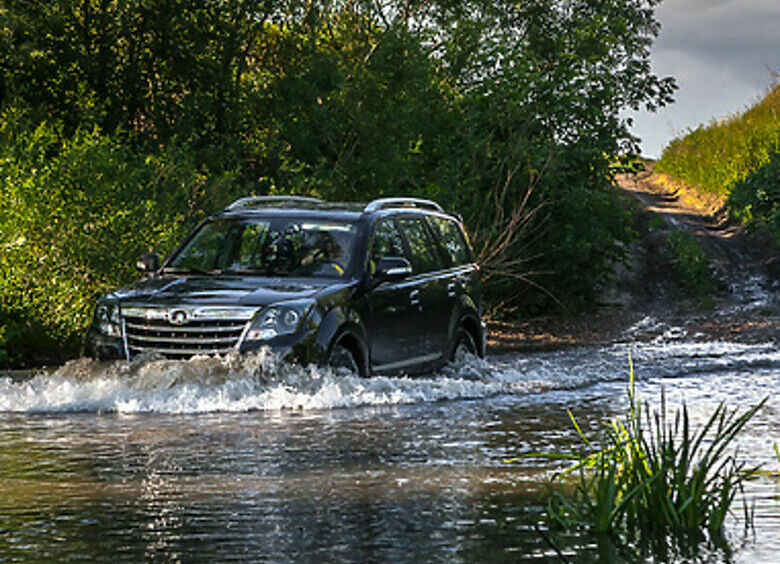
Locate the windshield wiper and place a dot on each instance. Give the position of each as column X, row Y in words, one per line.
column 176, row 270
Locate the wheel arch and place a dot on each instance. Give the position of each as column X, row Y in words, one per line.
column 349, row 336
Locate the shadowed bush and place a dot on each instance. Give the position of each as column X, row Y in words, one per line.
column 755, row 201
column 690, row 266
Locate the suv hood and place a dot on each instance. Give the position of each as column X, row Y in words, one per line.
column 214, row 290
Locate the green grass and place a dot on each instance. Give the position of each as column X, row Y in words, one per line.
column 653, row 476
column 738, row 160
column 715, row 157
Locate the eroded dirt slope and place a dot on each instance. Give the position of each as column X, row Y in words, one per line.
column 644, row 300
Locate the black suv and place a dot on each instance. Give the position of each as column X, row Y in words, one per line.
column 387, row 287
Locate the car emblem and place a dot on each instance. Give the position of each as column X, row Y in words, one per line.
column 179, row 317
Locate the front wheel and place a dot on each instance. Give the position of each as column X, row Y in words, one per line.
column 341, row 357
column 463, row 346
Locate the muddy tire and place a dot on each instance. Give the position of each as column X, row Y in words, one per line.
column 463, row 346
column 341, row 357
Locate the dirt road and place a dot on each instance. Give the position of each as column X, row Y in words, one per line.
column 643, row 301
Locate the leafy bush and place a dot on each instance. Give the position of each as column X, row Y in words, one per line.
column 690, row 265
column 78, row 211
column 755, row 201
column 3, row 346
column 507, row 112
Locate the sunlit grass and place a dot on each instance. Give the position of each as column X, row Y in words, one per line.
column 717, row 156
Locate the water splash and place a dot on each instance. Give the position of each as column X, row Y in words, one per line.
column 260, row 381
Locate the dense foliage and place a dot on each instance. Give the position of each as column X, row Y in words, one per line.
column 123, row 123
column 77, row 210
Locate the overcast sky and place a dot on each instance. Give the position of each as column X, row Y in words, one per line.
column 725, row 54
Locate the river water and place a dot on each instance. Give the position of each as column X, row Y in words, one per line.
column 249, row 459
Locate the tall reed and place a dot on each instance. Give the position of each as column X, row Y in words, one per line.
column 655, row 475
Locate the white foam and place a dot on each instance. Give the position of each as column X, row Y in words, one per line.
column 231, row 383
column 261, row 381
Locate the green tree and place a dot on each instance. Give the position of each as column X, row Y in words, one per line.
column 509, row 112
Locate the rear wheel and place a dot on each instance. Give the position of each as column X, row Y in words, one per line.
column 463, row 346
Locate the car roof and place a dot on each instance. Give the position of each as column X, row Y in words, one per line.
column 335, row 213
column 298, row 206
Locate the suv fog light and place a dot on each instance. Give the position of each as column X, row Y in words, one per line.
column 260, row 334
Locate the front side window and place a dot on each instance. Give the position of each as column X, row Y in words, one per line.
column 424, row 257
column 452, row 240
column 387, row 241
column 272, row 247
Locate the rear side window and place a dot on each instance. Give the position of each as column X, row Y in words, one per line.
column 424, row 257
column 452, row 240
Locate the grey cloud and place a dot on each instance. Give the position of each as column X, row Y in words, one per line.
column 742, row 34
column 723, row 54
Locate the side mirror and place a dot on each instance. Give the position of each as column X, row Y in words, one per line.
column 392, row 268
column 148, row 263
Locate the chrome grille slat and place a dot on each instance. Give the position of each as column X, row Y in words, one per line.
column 180, row 352
column 182, row 340
column 199, row 335
column 184, row 329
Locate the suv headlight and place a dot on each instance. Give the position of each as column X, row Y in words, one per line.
column 279, row 319
column 107, row 319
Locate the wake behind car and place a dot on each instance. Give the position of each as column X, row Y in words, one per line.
column 387, row 287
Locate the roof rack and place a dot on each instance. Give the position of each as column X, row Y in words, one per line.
column 384, row 203
column 270, row 200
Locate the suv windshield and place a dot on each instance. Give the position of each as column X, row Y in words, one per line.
column 268, row 246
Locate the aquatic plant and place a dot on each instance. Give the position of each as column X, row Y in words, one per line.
column 653, row 475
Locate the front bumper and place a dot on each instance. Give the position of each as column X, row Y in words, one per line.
column 301, row 348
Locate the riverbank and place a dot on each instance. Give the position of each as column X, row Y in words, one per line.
column 609, row 327
column 647, row 299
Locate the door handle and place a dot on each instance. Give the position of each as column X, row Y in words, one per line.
column 451, row 289
column 414, row 297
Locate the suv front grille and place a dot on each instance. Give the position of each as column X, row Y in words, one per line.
column 151, row 330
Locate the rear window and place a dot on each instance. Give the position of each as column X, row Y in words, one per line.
column 387, row 241
column 452, row 240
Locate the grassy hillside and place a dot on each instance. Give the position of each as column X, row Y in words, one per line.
column 716, row 156
column 737, row 159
